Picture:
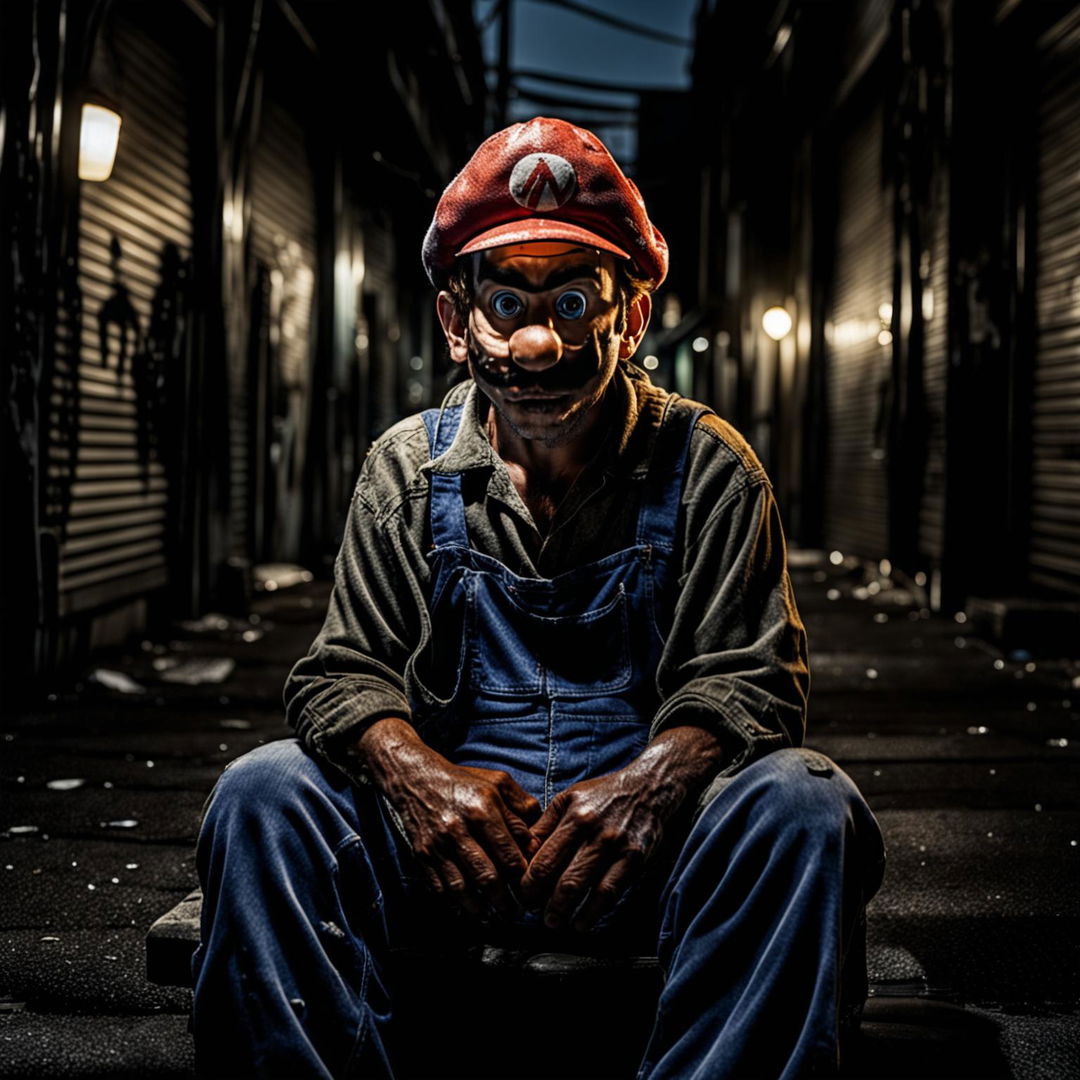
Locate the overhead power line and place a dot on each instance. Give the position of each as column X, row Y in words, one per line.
column 593, row 121
column 572, row 103
column 621, row 24
column 587, row 84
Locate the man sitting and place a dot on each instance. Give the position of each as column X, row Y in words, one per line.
column 559, row 697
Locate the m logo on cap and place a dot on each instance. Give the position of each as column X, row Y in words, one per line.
column 542, row 181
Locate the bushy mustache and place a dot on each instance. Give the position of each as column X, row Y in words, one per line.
column 564, row 377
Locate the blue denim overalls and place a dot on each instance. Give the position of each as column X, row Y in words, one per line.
column 307, row 885
column 555, row 679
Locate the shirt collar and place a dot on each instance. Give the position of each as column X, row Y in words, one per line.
column 638, row 413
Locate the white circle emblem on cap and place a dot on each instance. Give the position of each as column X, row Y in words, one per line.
column 542, row 181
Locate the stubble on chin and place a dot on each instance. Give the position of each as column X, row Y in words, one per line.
column 550, row 429
column 555, row 428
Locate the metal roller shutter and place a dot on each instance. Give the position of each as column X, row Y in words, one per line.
column 1054, row 556
column 857, row 369
column 107, row 491
column 380, row 310
column 282, row 241
column 935, row 278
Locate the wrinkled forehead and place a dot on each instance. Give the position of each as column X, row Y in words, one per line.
column 539, row 265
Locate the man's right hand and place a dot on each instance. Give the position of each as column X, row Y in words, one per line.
column 468, row 826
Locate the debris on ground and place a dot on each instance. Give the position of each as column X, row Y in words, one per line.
column 198, row 670
column 66, row 784
column 116, row 680
column 273, row 576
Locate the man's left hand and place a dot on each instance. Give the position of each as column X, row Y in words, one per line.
column 600, row 833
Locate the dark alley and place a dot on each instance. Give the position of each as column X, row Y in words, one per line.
column 485, row 484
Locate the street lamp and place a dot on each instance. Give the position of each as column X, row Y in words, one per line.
column 98, row 137
column 769, row 406
column 776, row 322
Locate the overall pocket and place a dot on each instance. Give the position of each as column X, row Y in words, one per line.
column 518, row 651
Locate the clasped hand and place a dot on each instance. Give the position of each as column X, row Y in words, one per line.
column 483, row 841
column 598, row 835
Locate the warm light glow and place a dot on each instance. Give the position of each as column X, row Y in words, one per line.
column 651, row 362
column 852, row 332
column 699, row 344
column 98, row 139
column 885, row 337
column 885, row 312
column 836, row 557
column 232, row 218
column 776, row 322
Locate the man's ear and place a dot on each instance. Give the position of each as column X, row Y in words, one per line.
column 453, row 327
column 637, row 322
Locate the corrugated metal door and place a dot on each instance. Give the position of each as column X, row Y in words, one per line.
column 117, row 365
column 283, row 247
column 380, row 310
column 1054, row 556
column 935, row 281
column 858, row 366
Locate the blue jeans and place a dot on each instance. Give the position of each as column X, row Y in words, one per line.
column 751, row 908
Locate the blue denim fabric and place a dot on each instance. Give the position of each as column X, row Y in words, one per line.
column 308, row 884
column 556, row 676
column 752, row 904
column 734, row 660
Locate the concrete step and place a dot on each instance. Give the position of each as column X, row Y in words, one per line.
column 606, row 1009
column 117, row 1045
column 900, row 1037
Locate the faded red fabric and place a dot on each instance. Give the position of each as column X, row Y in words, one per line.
column 544, row 179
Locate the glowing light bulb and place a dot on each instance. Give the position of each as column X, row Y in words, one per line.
column 776, row 322
column 99, row 136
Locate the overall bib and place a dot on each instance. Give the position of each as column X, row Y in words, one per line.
column 756, row 913
column 555, row 677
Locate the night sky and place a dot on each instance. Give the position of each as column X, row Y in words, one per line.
column 563, row 42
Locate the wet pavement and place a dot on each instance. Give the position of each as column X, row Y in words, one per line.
column 968, row 757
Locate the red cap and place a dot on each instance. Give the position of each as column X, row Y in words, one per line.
column 544, row 179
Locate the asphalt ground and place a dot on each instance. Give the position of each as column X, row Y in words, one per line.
column 967, row 756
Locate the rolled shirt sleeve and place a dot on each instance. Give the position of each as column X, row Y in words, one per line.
column 352, row 674
column 735, row 660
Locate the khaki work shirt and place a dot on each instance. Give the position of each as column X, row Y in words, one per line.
column 734, row 661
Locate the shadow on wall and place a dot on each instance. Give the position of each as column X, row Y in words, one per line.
column 152, row 355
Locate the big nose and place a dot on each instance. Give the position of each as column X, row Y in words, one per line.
column 535, row 348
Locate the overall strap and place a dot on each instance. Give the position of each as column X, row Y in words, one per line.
column 447, row 507
column 659, row 514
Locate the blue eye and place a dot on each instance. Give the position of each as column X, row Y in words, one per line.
column 571, row 304
column 506, row 305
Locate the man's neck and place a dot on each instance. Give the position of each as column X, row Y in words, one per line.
column 550, row 467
